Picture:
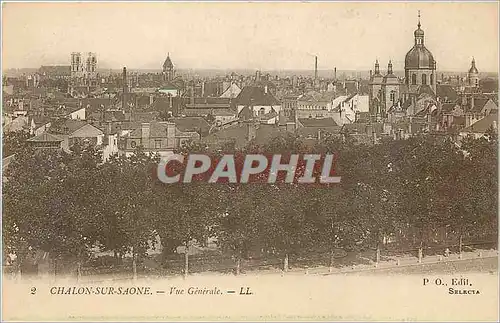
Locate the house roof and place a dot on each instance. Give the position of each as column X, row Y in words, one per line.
column 66, row 126
column 459, row 120
column 254, row 95
column 318, row 123
column 489, row 85
column 446, row 91
column 191, row 124
column 310, row 96
column 479, row 103
column 55, row 70
column 482, row 125
column 167, row 86
column 309, row 131
column 163, row 104
column 351, row 87
column 45, row 137
column 40, row 120
column 87, row 131
column 143, row 116
column 426, row 89
column 362, row 127
column 427, row 110
column 224, row 113
column 268, row 116
column 448, row 107
column 231, row 92
column 208, row 103
column 156, row 130
column 236, row 133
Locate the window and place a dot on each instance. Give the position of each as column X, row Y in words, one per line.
column 393, row 96
column 262, row 111
column 157, row 144
column 133, row 144
column 414, row 79
column 432, row 79
column 424, row 79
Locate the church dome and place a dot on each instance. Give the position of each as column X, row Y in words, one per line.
column 419, row 57
column 419, row 32
column 473, row 68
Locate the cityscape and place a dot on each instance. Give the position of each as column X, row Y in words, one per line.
column 417, row 151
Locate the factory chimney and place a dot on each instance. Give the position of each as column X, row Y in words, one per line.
column 124, row 80
column 335, row 74
column 315, row 67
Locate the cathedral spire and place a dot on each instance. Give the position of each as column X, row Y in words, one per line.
column 389, row 67
column 377, row 67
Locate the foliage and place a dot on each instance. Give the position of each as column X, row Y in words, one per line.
column 412, row 189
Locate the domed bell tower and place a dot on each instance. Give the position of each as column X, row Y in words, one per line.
column 420, row 66
column 473, row 74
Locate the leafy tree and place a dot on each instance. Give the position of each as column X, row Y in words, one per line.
column 14, row 142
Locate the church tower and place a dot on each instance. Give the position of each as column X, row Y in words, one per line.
column 473, row 75
column 376, row 90
column 390, row 89
column 420, row 66
column 168, row 69
column 76, row 65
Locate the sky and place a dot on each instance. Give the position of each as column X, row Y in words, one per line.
column 266, row 36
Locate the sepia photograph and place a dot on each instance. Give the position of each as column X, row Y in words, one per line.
column 250, row 161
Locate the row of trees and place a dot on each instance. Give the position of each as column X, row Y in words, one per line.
column 418, row 191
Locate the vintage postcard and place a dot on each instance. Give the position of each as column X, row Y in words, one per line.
column 238, row 161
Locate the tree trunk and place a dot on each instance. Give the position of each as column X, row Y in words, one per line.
column 55, row 268
column 186, row 262
column 285, row 263
column 238, row 265
column 330, row 268
column 460, row 246
column 19, row 262
column 420, row 253
column 377, row 255
column 78, row 271
column 134, row 264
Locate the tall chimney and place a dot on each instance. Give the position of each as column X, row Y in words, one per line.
column 315, row 67
column 124, row 80
column 335, row 74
